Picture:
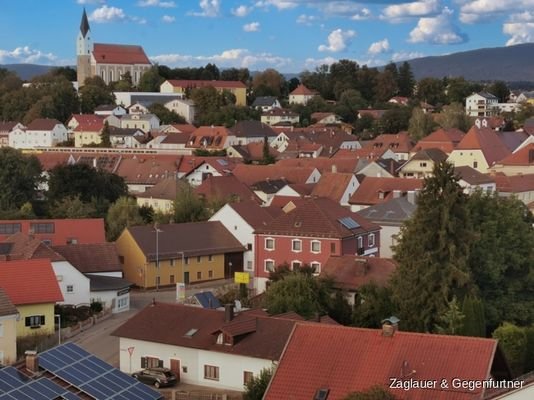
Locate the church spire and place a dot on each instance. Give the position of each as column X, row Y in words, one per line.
column 84, row 25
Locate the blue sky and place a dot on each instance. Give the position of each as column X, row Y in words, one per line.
column 289, row 35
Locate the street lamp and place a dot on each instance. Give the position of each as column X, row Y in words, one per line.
column 182, row 284
column 59, row 330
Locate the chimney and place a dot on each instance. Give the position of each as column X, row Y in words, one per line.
column 317, row 317
column 411, row 196
column 32, row 361
column 334, row 168
column 390, row 326
column 94, row 162
column 228, row 312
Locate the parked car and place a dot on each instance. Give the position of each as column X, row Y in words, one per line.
column 156, row 376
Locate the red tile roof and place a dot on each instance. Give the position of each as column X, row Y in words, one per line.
column 30, row 282
column 373, row 190
column 514, row 183
column 252, row 213
column 7, row 126
column 91, row 258
column 184, row 83
column 333, row 185
column 43, row 124
column 6, row 305
column 209, row 136
column 350, row 272
column 444, row 139
column 488, row 141
column 398, row 142
column 251, row 174
column 88, row 122
column 524, row 156
column 119, row 54
column 317, row 217
column 226, row 188
column 148, row 169
column 345, row 360
column 26, row 247
column 184, row 128
column 302, row 91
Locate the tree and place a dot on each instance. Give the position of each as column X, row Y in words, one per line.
column 150, row 80
column 235, row 74
column 122, row 214
column 268, row 83
column 474, row 323
column 349, row 101
column 266, row 151
column 299, row 292
column 406, row 81
column 500, row 90
column 371, row 305
column 420, row 125
column 432, row 252
column 165, row 115
column 68, row 73
column 373, row 393
column 188, row 207
column 451, row 322
column 20, row 177
column 105, row 135
column 513, row 341
column 458, row 89
column 72, row 207
column 386, row 86
column 431, row 90
column 125, row 83
column 95, row 93
column 453, row 116
column 256, row 387
column 394, row 120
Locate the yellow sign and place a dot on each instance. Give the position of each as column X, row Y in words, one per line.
column 241, row 277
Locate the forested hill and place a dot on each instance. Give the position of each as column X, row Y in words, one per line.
column 27, row 71
column 510, row 64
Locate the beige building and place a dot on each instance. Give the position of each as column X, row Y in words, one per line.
column 301, row 95
column 8, row 329
column 237, row 88
column 422, row 164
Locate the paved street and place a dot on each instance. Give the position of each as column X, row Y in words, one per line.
column 97, row 339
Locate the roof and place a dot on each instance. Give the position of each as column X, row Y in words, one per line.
column 398, row 142
column 264, row 101
column 512, row 139
column 443, row 139
column 254, row 151
column 119, row 54
column 30, row 282
column 6, row 305
column 280, row 112
column 43, row 124
column 88, row 122
column 225, row 188
column 166, row 189
column 252, row 213
column 27, row 247
column 184, row 83
column 350, row 272
column 148, row 169
column 169, row 323
column 346, row 164
column 524, row 156
column 514, row 183
column 392, row 212
column 486, row 140
column 84, row 24
column 250, row 174
column 430, row 154
column 192, row 238
column 472, row 176
column 332, row 185
column 317, row 217
column 252, row 129
column 302, row 90
column 487, row 95
column 374, row 190
column 91, row 258
column 373, row 113
column 209, row 136
column 344, row 360
column 7, row 126
column 100, row 283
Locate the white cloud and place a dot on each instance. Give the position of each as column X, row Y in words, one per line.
column 437, row 30
column 381, row 46
column 520, row 28
column 338, row 40
column 306, row 19
column 210, row 8
column 406, row 55
column 156, row 3
column 472, row 11
column 241, row 11
column 138, row 20
column 107, row 14
column 279, row 4
column 26, row 55
column 421, row 8
column 363, row 14
column 169, row 19
column 238, row 58
column 252, row 27
column 90, row 1
column 312, row 63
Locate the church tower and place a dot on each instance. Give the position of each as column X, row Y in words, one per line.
column 84, row 49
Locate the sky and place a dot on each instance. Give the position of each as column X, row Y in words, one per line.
column 288, row 35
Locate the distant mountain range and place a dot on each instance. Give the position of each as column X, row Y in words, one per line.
column 509, row 64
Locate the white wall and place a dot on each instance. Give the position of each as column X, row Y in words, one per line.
column 109, row 299
column 386, row 240
column 68, row 275
column 231, row 367
column 195, row 177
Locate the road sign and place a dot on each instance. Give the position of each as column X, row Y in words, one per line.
column 131, row 350
column 241, row 277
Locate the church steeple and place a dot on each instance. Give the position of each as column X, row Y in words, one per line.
column 84, row 25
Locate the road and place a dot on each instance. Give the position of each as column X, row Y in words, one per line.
column 98, row 340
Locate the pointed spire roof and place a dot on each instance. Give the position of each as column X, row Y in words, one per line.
column 84, row 25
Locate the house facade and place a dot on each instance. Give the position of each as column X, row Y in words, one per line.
column 8, row 328
column 301, row 95
column 422, row 163
column 145, row 122
column 237, row 88
column 481, row 104
column 277, row 116
column 41, row 132
column 183, row 107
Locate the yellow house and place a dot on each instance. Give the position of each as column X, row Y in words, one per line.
column 237, row 88
column 422, row 163
column 171, row 253
column 8, row 329
column 33, row 288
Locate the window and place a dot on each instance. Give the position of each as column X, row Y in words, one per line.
column 199, row 258
column 295, row 265
column 35, row 321
column 72, row 241
column 70, row 288
column 269, row 265
column 9, row 228
column 186, row 260
column 151, row 362
column 475, row 164
column 371, row 240
column 211, row 372
column 42, row 227
column 247, row 377
column 199, row 275
column 296, row 245
column 172, row 262
column 332, row 247
column 269, row 244
column 122, row 303
column 360, row 242
column 121, row 259
column 422, row 164
column 315, row 246
column 210, row 258
column 316, row 267
column 171, row 278
column 210, row 274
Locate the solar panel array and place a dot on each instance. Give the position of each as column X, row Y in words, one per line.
column 349, row 223
column 16, row 386
column 92, row 375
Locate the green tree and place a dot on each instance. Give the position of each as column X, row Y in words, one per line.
column 301, row 293
column 372, row 304
column 513, row 342
column 406, row 81
column 72, row 207
column 451, row 322
column 256, row 387
column 165, row 115
column 235, row 74
column 453, row 116
column 373, row 393
column 95, row 93
column 420, row 125
column 500, row 90
column 431, row 90
column 123, row 213
column 268, row 83
column 266, row 151
column 105, row 136
column 529, row 352
column 20, row 177
column 68, row 73
column 474, row 322
column 386, row 86
column 125, row 83
column 393, row 121
column 150, row 80
column 188, row 207
column 458, row 89
column 432, row 252
column 349, row 101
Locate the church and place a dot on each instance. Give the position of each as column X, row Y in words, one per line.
column 109, row 61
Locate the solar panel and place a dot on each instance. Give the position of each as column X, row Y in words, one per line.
column 10, row 378
column 349, row 223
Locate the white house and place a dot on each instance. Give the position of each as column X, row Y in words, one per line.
column 145, row 122
column 206, row 347
column 128, row 138
column 301, row 95
column 241, row 219
column 106, row 110
column 41, row 132
column 185, row 108
column 481, row 104
column 266, row 103
column 471, row 180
